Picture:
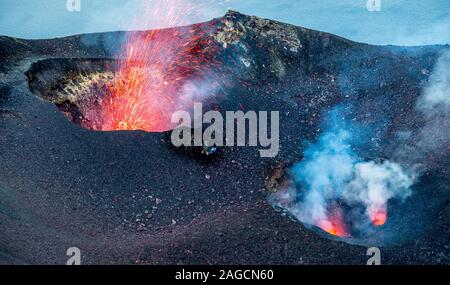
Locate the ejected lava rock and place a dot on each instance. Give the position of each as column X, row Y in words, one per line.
column 126, row 196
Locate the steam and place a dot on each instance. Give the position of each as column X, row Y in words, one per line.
column 434, row 104
column 196, row 90
column 332, row 172
column 432, row 139
column 436, row 96
column 374, row 184
column 336, row 189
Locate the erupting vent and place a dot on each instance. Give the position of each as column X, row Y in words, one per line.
column 346, row 213
column 155, row 79
column 163, row 72
column 159, row 72
column 341, row 219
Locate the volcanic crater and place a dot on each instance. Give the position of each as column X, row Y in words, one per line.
column 126, row 197
column 73, row 85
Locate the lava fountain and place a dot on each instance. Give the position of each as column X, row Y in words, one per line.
column 154, row 72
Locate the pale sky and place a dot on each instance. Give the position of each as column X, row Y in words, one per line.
column 400, row 22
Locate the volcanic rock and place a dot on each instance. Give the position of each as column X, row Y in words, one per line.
column 48, row 205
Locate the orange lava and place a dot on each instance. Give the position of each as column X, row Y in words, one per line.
column 151, row 80
column 334, row 225
column 334, row 228
column 378, row 217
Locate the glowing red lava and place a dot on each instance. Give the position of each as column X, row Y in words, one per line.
column 151, row 82
column 334, row 224
column 334, row 228
column 378, row 217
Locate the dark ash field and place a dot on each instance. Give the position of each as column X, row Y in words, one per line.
column 130, row 197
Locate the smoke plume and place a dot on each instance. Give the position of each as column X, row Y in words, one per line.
column 332, row 174
column 434, row 104
column 347, row 195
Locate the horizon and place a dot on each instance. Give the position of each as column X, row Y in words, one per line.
column 394, row 22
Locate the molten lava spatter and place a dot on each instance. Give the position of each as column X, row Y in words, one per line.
column 333, row 227
column 151, row 82
column 334, row 224
column 378, row 217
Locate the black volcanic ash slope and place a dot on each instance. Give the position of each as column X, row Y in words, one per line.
column 128, row 197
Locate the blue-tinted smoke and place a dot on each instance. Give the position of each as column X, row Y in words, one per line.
column 332, row 173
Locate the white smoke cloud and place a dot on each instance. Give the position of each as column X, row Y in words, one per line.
column 199, row 90
column 374, row 184
column 436, row 96
column 433, row 138
column 332, row 174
